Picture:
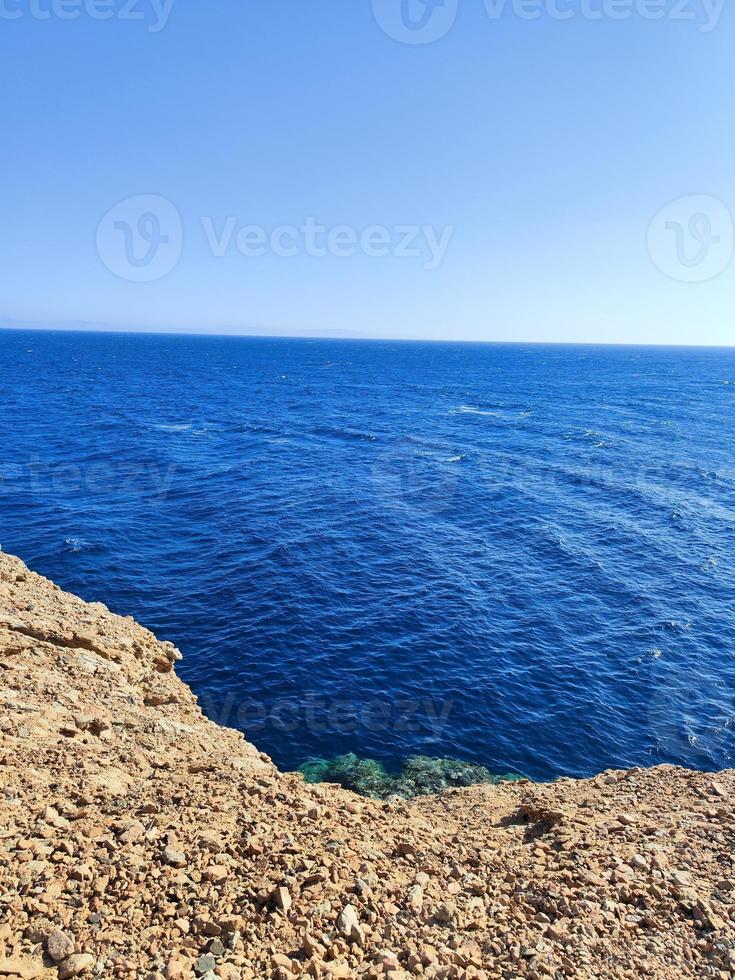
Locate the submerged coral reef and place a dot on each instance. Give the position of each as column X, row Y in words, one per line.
column 419, row 775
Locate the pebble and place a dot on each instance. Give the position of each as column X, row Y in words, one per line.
column 349, row 924
column 59, row 945
column 75, row 965
column 175, row 858
column 18, row 967
column 216, row 873
column 416, row 897
column 282, row 898
column 446, row 912
column 204, row 963
column 134, row 832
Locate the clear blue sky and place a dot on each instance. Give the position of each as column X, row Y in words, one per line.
column 543, row 148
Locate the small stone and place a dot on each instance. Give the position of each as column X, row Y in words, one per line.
column 176, row 969
column 311, row 947
column 416, row 897
column 74, row 965
column 177, row 859
column 216, row 873
column 15, row 966
column 388, row 960
column 59, row 945
column 340, row 970
column 682, row 879
column 280, row 960
column 282, row 899
column 206, row 927
column 216, row 948
column 230, row 923
column 204, row 964
column 445, row 913
column 133, row 833
column 349, row 924
column 39, row 930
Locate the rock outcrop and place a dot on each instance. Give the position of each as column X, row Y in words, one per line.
column 139, row 839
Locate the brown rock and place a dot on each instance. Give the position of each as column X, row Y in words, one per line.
column 59, row 945
column 282, row 899
column 174, row 857
column 19, row 967
column 75, row 965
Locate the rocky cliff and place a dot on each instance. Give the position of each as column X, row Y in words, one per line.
column 139, row 839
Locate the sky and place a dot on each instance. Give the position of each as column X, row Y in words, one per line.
column 497, row 170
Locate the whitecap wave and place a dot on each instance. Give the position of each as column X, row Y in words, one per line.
column 75, row 544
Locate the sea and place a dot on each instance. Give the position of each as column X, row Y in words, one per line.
column 516, row 555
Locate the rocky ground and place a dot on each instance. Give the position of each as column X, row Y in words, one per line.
column 138, row 839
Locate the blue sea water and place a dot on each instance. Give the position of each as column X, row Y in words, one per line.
column 517, row 555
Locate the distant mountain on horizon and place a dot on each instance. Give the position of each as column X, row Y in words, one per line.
column 11, row 323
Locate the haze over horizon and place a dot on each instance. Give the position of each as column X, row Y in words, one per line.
column 255, row 333
column 530, row 172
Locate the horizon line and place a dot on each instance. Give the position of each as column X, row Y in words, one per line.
column 152, row 332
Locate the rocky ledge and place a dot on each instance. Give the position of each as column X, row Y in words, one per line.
column 138, row 839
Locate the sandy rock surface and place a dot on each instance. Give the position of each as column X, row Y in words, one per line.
column 138, row 839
